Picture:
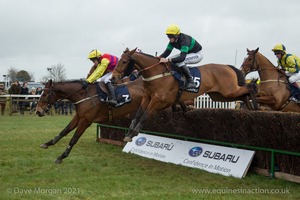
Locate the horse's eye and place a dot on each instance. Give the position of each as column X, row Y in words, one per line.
column 124, row 62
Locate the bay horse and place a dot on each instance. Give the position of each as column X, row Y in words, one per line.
column 89, row 109
column 221, row 82
column 274, row 86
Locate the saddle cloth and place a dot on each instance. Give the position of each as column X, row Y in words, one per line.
column 122, row 94
column 181, row 80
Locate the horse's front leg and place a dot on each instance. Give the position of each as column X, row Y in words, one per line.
column 82, row 126
column 153, row 105
column 135, row 123
column 134, row 126
column 73, row 124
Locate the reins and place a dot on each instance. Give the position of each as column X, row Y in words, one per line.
column 149, row 67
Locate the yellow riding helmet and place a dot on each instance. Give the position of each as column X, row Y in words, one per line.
column 173, row 30
column 95, row 54
column 279, row 47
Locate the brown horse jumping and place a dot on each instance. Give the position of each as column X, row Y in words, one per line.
column 89, row 109
column 274, row 86
column 162, row 90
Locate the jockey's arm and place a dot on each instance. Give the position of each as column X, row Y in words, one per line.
column 99, row 71
column 91, row 71
column 167, row 51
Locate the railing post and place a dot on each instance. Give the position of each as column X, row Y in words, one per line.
column 272, row 172
column 10, row 105
column 98, row 132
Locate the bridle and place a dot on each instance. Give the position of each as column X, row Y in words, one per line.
column 251, row 65
column 50, row 95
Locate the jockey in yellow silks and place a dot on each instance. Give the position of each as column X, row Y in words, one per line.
column 289, row 63
column 102, row 69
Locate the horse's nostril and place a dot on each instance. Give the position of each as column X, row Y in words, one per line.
column 38, row 113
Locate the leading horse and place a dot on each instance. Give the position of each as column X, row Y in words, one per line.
column 89, row 109
column 221, row 82
column 274, row 87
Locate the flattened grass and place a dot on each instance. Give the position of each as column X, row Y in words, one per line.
column 101, row 171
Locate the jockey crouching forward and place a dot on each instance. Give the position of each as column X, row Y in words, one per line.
column 102, row 70
column 290, row 64
column 190, row 52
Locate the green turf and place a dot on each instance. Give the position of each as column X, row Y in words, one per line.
column 101, row 171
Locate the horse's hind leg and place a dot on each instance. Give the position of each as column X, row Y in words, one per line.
column 73, row 124
column 82, row 126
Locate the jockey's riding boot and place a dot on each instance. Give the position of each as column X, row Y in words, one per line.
column 112, row 96
column 186, row 72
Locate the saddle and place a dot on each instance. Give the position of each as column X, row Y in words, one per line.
column 121, row 91
column 181, row 78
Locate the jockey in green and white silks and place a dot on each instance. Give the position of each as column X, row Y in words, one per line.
column 190, row 52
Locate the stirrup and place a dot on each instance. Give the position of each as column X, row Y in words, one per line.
column 112, row 102
column 190, row 85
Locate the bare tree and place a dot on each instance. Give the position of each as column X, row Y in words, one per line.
column 12, row 73
column 31, row 74
column 56, row 73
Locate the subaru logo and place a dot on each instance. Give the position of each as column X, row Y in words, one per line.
column 140, row 141
column 195, row 151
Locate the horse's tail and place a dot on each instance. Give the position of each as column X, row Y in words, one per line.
column 239, row 75
column 253, row 90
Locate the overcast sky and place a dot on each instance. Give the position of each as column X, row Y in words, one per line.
column 36, row 34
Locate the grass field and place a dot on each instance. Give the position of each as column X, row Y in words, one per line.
column 101, row 171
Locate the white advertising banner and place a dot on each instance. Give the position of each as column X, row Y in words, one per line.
column 211, row 158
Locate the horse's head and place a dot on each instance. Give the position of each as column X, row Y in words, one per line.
column 124, row 66
column 250, row 63
column 47, row 99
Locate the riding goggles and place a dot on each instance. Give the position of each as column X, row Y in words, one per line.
column 277, row 52
column 170, row 36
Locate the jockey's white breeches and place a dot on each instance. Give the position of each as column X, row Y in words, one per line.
column 191, row 58
column 106, row 78
column 293, row 77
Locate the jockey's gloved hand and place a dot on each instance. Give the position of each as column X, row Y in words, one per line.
column 85, row 84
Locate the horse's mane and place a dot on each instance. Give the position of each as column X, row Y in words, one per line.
column 146, row 54
column 258, row 53
column 69, row 81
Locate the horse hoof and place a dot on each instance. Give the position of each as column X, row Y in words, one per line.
column 44, row 146
column 127, row 139
column 58, row 161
